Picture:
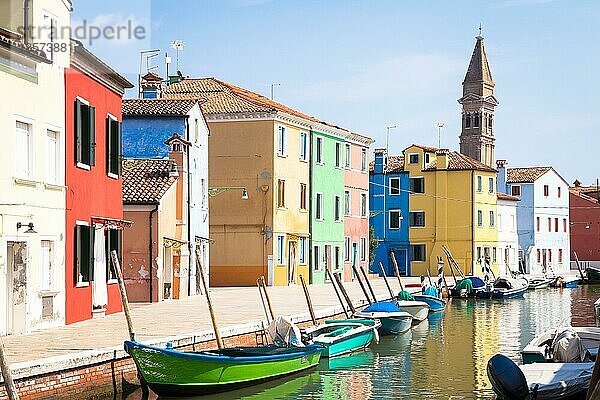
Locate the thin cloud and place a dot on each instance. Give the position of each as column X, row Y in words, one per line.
column 248, row 3
column 517, row 3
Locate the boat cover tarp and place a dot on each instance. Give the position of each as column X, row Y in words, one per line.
column 557, row 380
column 431, row 291
column 383, row 306
column 567, row 347
column 464, row 284
column 404, row 295
column 284, row 331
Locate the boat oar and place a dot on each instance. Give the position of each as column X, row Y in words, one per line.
column 362, row 286
column 343, row 290
column 386, row 281
column 397, row 270
column 117, row 267
column 368, row 283
column 337, row 293
column 578, row 267
column 9, row 384
column 308, row 301
column 209, row 302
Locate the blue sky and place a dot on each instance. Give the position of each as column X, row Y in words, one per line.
column 365, row 65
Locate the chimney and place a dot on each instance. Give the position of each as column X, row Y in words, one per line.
column 441, row 156
column 501, row 178
column 380, row 161
column 577, row 183
column 151, row 85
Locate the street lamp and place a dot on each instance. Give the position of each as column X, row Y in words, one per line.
column 387, row 138
column 215, row 191
column 440, row 125
column 29, row 225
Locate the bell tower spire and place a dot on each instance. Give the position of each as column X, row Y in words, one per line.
column 478, row 103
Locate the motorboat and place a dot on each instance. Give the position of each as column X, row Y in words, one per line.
column 539, row 283
column 393, row 319
column 566, row 344
column 508, row 288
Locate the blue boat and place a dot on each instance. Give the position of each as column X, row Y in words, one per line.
column 509, row 288
column 393, row 319
column 565, row 282
column 432, row 297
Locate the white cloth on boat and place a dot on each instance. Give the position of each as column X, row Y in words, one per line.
column 567, row 347
column 99, row 290
column 557, row 380
column 284, row 331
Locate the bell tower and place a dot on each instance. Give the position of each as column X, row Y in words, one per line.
column 478, row 103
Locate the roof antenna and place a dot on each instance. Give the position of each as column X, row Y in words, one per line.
column 480, row 30
column 273, row 90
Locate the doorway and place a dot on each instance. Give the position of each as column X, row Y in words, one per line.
column 16, row 280
column 292, row 262
column 328, row 258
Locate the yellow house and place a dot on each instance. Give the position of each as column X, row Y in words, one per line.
column 452, row 203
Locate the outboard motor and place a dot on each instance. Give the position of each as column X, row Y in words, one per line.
column 507, row 379
column 567, row 347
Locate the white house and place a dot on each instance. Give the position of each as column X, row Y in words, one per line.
column 32, row 166
column 542, row 217
column 508, row 240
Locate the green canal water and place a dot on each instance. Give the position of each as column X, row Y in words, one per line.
column 443, row 357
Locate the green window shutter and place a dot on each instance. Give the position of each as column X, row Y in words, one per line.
column 92, row 122
column 77, row 131
column 107, row 253
column 119, row 235
column 118, row 147
column 91, row 254
column 77, row 253
column 108, row 124
column 84, row 249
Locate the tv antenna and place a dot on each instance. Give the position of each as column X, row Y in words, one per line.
column 177, row 45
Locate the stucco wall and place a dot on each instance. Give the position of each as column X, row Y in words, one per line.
column 507, row 236
column 585, row 230
column 144, row 137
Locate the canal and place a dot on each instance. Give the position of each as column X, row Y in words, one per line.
column 443, row 357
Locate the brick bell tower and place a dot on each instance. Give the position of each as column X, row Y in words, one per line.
column 477, row 136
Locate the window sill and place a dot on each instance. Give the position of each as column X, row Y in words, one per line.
column 82, row 284
column 83, row 166
column 25, row 182
column 113, row 176
column 282, row 208
column 303, row 210
column 304, row 160
column 111, row 281
column 48, row 293
column 338, row 167
column 319, row 163
column 282, row 155
column 53, row 186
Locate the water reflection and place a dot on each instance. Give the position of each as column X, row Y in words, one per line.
column 444, row 357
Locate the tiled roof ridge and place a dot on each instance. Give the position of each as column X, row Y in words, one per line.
column 504, row 196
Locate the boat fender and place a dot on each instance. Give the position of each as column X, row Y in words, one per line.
column 506, row 378
column 169, row 346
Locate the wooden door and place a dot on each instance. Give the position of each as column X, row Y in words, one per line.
column 17, row 287
column 292, row 262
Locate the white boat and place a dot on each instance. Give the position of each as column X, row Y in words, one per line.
column 539, row 283
column 566, row 344
column 393, row 320
column 418, row 309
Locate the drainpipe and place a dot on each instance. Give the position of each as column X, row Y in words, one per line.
column 25, row 21
column 151, row 248
column 311, row 207
column 189, row 210
column 473, row 253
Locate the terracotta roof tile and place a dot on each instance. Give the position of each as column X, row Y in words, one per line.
column 525, row 175
column 456, row 160
column 146, row 180
column 164, row 107
column 504, row 196
column 13, row 41
column 394, row 164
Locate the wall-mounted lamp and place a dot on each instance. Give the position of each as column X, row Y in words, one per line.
column 215, row 191
column 587, row 224
column 29, row 225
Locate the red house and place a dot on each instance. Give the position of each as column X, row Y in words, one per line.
column 94, row 214
column 584, row 215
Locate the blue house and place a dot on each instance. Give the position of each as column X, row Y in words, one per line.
column 388, row 199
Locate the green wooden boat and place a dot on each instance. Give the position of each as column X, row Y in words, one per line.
column 170, row 372
column 338, row 337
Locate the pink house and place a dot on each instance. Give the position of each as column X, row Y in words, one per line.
column 356, row 202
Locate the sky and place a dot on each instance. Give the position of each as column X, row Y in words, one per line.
column 365, row 65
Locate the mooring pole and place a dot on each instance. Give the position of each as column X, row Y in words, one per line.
column 386, row 281
column 308, row 301
column 397, row 270
column 362, row 286
column 262, row 299
column 11, row 389
column 578, row 267
column 343, row 290
column 117, row 266
column 368, row 283
column 264, row 286
column 594, row 390
column 337, row 293
column 209, row 302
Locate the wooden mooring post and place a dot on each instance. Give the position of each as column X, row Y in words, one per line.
column 9, row 384
column 362, row 286
column 308, row 301
column 117, row 266
column 386, row 281
column 397, row 270
column 368, row 283
column 209, row 302
column 344, row 293
column 337, row 293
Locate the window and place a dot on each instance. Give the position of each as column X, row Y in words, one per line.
column 317, row 257
column 417, row 185
column 558, row 191
column 546, row 191
column 494, row 255
column 549, row 224
column 476, row 122
column 23, row 150
column 492, row 219
column 417, row 252
column 52, row 156
column 479, row 218
column 478, row 253
column 347, row 202
column 363, row 160
column 47, row 262
column 196, row 132
column 303, row 196
column 426, row 158
column 303, row 146
column 499, row 222
column 363, row 205
column 113, row 146
column 319, row 155
column 51, row 30
column 319, row 206
column 539, row 257
column 468, row 121
column 560, row 255
column 515, row 190
column 363, row 249
column 394, row 186
column 337, row 209
column 203, row 186
column 479, row 184
column 113, row 241
column 564, row 224
column 549, row 255
column 84, row 254
column 413, row 158
column 395, row 217
column 281, row 151
column 280, row 250
column 337, row 258
column 302, row 250
column 348, row 157
column 347, row 244
column 85, row 134
column 555, row 224
column 537, row 224
column 416, row 219
column 338, row 154
column 280, row 193
column 490, row 185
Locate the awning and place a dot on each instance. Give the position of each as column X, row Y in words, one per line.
column 200, row 239
column 113, row 222
column 174, row 243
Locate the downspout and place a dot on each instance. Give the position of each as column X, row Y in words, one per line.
column 311, row 206
column 151, row 248
column 189, row 212
column 472, row 221
column 26, row 21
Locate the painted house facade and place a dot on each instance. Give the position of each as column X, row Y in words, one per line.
column 148, row 126
column 356, row 202
column 32, row 182
column 584, row 216
column 94, row 215
column 542, row 217
column 508, row 240
column 453, row 204
column 389, row 211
